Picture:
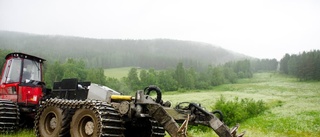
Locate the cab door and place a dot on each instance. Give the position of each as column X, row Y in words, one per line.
column 10, row 79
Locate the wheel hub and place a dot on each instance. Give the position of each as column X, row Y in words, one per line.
column 53, row 123
column 89, row 128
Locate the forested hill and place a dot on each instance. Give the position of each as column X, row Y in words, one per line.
column 110, row 53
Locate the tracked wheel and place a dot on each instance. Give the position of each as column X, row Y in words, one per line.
column 84, row 124
column 52, row 121
column 96, row 119
column 9, row 116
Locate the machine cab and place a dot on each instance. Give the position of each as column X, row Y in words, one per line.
column 19, row 72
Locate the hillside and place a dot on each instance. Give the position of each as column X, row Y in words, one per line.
column 110, row 53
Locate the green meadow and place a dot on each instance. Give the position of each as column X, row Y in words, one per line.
column 117, row 73
column 294, row 106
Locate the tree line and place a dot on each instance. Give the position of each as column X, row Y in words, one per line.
column 261, row 65
column 304, row 66
column 179, row 78
column 183, row 78
column 188, row 78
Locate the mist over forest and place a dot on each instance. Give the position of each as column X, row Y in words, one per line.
column 112, row 53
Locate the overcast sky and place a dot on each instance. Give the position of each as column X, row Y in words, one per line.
column 263, row 29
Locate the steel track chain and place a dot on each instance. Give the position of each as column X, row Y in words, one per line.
column 157, row 130
column 110, row 122
column 9, row 116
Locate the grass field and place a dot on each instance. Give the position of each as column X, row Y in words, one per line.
column 293, row 106
column 118, row 73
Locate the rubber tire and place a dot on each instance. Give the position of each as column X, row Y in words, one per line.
column 44, row 122
column 79, row 119
column 67, row 115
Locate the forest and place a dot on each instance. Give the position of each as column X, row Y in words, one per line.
column 305, row 66
column 114, row 53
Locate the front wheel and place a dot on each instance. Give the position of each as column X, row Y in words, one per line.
column 50, row 122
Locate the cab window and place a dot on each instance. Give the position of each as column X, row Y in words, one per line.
column 12, row 71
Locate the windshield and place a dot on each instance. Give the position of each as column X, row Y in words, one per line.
column 31, row 71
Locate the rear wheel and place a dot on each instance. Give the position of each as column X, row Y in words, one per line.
column 96, row 119
column 84, row 124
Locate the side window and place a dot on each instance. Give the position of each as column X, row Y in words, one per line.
column 12, row 71
column 6, row 71
column 15, row 70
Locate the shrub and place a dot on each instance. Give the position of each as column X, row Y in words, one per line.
column 237, row 111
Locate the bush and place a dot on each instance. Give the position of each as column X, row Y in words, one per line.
column 237, row 111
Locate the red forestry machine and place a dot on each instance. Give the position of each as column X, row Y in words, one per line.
column 85, row 109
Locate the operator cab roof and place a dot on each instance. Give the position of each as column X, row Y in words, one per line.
column 25, row 56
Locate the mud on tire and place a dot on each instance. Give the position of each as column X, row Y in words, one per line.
column 84, row 124
column 96, row 119
column 52, row 121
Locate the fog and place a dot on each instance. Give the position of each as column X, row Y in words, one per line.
column 263, row 29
